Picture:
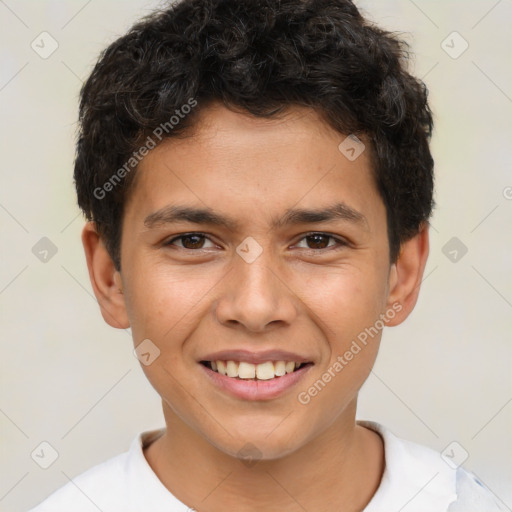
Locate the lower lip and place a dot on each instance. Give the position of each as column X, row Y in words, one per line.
column 256, row 389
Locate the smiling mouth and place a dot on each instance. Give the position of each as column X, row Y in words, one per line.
column 242, row 370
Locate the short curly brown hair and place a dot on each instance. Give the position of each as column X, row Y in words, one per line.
column 260, row 56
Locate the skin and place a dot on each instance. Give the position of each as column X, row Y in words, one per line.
column 307, row 296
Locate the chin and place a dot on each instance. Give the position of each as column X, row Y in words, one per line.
column 259, row 444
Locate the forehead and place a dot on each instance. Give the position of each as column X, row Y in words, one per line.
column 235, row 162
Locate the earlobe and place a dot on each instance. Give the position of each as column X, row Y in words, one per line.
column 105, row 279
column 406, row 275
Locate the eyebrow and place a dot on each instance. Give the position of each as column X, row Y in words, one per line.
column 174, row 213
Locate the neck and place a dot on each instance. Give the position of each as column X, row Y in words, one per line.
column 339, row 470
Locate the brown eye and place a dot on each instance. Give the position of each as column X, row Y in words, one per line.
column 319, row 241
column 190, row 241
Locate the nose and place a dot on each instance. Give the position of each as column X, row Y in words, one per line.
column 255, row 296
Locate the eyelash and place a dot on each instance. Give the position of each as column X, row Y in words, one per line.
column 340, row 241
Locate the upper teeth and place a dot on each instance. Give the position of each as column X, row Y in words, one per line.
column 262, row 371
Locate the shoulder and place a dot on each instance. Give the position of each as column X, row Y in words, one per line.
column 472, row 495
column 419, row 479
column 84, row 490
column 124, row 483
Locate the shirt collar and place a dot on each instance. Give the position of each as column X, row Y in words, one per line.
column 415, row 477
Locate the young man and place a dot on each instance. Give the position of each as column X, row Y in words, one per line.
column 258, row 183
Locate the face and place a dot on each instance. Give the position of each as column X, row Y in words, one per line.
column 287, row 261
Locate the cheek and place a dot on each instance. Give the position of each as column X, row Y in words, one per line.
column 347, row 298
column 164, row 303
column 348, row 302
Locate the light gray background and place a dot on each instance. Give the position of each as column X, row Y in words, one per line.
column 69, row 379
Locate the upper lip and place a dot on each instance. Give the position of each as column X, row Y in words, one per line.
column 255, row 357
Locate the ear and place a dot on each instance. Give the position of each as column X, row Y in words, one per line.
column 406, row 275
column 105, row 279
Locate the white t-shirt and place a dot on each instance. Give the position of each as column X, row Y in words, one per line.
column 415, row 479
